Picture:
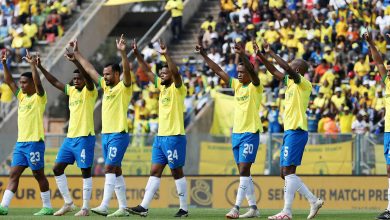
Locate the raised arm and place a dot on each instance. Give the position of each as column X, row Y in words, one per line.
column 7, row 75
column 294, row 75
column 37, row 81
column 145, row 67
column 376, row 55
column 270, row 67
column 53, row 80
column 121, row 46
column 248, row 66
column 89, row 69
column 171, row 65
column 88, row 80
column 215, row 67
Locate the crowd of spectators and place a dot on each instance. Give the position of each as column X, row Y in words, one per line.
column 25, row 23
column 348, row 95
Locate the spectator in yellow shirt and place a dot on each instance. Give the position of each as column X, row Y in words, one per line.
column 341, row 27
column 345, row 120
column 329, row 55
column 30, row 29
column 379, row 101
column 5, row 100
column 320, row 101
column 176, row 7
column 271, row 35
column 209, row 22
column 275, row 3
column 338, row 99
column 361, row 67
column 381, row 44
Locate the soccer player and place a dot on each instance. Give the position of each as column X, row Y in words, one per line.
column 295, row 129
column 80, row 142
column 29, row 150
column 246, row 126
column 385, row 74
column 115, row 138
column 169, row 145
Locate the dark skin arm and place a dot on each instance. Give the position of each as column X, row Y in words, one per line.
column 145, row 67
column 270, row 67
column 217, row 69
column 293, row 74
column 88, row 80
column 53, row 80
column 37, row 81
column 376, row 55
column 7, row 75
column 89, row 69
column 171, row 65
column 248, row 66
column 121, row 46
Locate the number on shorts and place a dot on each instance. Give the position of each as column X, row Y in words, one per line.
column 35, row 157
column 248, row 148
column 112, row 152
column 172, row 155
column 285, row 151
column 82, row 155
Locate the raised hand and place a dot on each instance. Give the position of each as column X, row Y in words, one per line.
column 163, row 47
column 388, row 35
column 121, row 44
column 134, row 45
column 238, row 49
column 200, row 49
column 69, row 55
column 4, row 55
column 29, row 58
column 266, row 47
column 74, row 45
column 38, row 60
column 255, row 47
column 367, row 36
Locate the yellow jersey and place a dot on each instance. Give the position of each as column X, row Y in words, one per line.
column 81, row 106
column 116, row 100
column 338, row 102
column 30, row 116
column 387, row 103
column 346, row 123
column 247, row 99
column 297, row 101
column 176, row 7
column 6, row 93
column 170, row 109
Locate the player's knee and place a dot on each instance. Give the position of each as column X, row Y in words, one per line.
column 38, row 175
column 14, row 176
column 110, row 169
column 58, row 171
column 155, row 172
column 177, row 173
column 86, row 173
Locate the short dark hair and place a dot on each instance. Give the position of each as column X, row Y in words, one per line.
column 27, row 74
column 76, row 71
column 242, row 64
column 114, row 66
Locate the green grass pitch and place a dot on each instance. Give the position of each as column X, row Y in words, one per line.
column 199, row 213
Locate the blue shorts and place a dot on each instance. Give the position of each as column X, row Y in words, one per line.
column 79, row 149
column 169, row 150
column 386, row 146
column 114, row 148
column 29, row 154
column 291, row 152
column 245, row 146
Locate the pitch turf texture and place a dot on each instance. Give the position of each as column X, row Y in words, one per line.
column 199, row 213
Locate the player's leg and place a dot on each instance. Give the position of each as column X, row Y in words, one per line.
column 174, row 148
column 64, row 157
column 87, row 191
column 121, row 142
column 114, row 149
column 236, row 142
column 291, row 157
column 14, row 176
column 40, row 176
column 386, row 145
column 159, row 162
column 84, row 154
column 35, row 152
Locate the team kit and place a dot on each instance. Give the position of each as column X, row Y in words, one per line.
column 169, row 147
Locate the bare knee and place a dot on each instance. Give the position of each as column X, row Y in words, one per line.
column 86, row 172
column 110, row 169
column 177, row 173
column 59, row 168
column 245, row 169
column 156, row 170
